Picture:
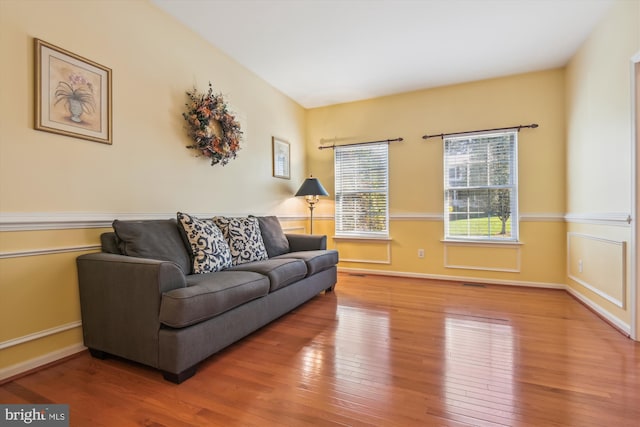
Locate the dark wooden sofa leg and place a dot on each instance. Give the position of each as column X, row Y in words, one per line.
column 180, row 376
column 98, row 354
column 330, row 288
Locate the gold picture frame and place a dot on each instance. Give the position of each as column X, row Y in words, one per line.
column 281, row 158
column 72, row 94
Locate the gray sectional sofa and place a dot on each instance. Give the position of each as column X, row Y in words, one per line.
column 170, row 293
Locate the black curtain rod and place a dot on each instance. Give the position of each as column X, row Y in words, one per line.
column 361, row 143
column 442, row 135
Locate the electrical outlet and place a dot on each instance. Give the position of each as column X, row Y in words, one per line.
column 420, row 253
column 579, row 266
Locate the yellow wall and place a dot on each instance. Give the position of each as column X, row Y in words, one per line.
column 146, row 172
column 599, row 165
column 416, row 177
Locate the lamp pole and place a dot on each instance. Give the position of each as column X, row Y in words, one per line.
column 312, row 200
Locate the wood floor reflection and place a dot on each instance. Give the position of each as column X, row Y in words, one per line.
column 379, row 351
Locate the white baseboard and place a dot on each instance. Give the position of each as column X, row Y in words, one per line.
column 619, row 324
column 28, row 365
column 454, row 278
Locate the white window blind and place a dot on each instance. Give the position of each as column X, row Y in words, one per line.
column 481, row 186
column 361, row 190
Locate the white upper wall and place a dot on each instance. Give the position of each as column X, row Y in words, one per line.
column 599, row 139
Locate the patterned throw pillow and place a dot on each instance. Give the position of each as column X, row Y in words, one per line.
column 244, row 238
column 209, row 249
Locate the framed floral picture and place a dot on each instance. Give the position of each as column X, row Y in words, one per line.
column 281, row 161
column 72, row 94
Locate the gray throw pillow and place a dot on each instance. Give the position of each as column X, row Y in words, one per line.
column 274, row 238
column 209, row 250
column 244, row 238
column 154, row 239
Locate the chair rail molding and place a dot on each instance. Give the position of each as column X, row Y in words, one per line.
column 48, row 251
column 622, row 219
column 32, row 221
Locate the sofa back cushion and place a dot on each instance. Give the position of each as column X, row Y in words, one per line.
column 274, row 238
column 244, row 238
column 154, row 239
column 209, row 249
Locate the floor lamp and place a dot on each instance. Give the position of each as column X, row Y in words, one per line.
column 311, row 189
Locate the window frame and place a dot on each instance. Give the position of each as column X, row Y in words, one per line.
column 340, row 231
column 449, row 166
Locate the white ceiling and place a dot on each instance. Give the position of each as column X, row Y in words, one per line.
column 323, row 52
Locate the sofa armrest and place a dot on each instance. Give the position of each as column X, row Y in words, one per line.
column 306, row 242
column 120, row 303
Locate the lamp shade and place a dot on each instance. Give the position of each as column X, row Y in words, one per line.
column 311, row 187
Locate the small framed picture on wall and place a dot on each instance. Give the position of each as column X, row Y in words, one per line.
column 281, row 158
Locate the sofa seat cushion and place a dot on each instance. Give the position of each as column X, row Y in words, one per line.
column 210, row 294
column 281, row 272
column 316, row 260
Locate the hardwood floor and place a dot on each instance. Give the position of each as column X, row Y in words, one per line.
column 379, row 351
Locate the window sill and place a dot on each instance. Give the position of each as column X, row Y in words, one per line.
column 480, row 242
column 366, row 238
